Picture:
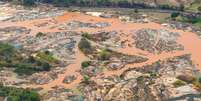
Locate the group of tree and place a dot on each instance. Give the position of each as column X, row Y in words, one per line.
column 103, row 3
column 22, row 65
column 18, row 94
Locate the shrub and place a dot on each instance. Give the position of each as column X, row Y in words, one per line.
column 31, row 59
column 104, row 54
column 182, row 7
column 153, row 74
column 40, row 34
column 179, row 83
column 85, row 46
column 6, row 50
column 199, row 8
column 86, row 64
column 197, row 85
column 174, row 15
column 136, row 11
column 64, row 3
column 46, row 66
column 47, row 52
column 24, row 69
column 86, row 35
column 199, row 79
column 186, row 78
column 46, row 57
column 165, row 6
column 29, row 2
column 86, row 78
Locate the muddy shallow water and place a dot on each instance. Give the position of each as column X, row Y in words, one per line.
column 190, row 41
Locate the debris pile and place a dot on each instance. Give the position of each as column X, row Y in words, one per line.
column 12, row 33
column 78, row 24
column 58, row 94
column 69, row 79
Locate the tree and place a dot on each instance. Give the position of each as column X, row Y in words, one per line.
column 199, row 8
column 28, row 95
column 85, row 46
column 46, row 66
column 136, row 10
column 64, row 2
column 19, row 94
column 182, row 7
column 29, row 2
column 31, row 59
column 199, row 79
column 6, row 50
column 174, row 15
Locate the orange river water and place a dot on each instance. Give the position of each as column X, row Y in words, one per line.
column 190, row 41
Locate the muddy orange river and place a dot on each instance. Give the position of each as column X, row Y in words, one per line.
column 190, row 41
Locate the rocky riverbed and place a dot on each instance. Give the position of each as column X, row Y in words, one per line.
column 97, row 57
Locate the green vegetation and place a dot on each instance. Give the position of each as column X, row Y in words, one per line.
column 187, row 78
column 153, row 74
column 196, row 81
column 192, row 7
column 12, row 58
column 179, row 83
column 136, row 11
column 86, row 64
column 85, row 46
column 6, row 50
column 46, row 57
column 18, row 94
column 174, row 15
column 199, row 8
column 103, row 3
column 86, row 78
column 40, row 34
column 196, row 21
column 86, row 35
column 195, row 6
column 28, row 2
column 28, row 67
column 104, row 54
column 62, row 2
column 193, row 20
column 199, row 79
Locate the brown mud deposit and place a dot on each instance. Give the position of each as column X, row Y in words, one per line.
column 190, row 42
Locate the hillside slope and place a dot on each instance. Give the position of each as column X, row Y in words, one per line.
column 114, row 3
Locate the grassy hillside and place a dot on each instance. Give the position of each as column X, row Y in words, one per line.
column 194, row 6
